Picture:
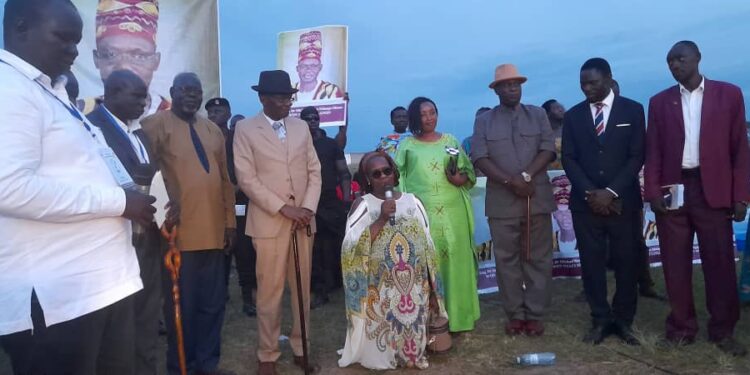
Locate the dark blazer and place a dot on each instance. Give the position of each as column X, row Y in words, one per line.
column 724, row 156
column 612, row 163
column 121, row 145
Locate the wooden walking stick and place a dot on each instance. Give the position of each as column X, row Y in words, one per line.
column 300, row 300
column 527, row 251
column 172, row 261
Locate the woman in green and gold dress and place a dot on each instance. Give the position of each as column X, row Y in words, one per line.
column 435, row 169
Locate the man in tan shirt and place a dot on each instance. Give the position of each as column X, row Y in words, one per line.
column 278, row 168
column 190, row 151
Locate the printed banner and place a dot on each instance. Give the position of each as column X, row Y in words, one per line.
column 565, row 261
column 154, row 39
column 317, row 61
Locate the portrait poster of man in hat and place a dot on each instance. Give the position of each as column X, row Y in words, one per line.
column 316, row 59
column 154, row 39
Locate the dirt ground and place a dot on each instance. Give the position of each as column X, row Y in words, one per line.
column 487, row 350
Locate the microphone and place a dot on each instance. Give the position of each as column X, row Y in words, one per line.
column 389, row 195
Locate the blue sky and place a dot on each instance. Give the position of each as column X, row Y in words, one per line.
column 448, row 50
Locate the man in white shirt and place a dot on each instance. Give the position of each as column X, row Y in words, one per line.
column 696, row 138
column 66, row 240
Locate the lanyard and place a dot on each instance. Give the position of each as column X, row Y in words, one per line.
column 117, row 126
column 71, row 109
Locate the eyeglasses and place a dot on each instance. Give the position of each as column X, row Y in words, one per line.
column 136, row 57
column 311, row 118
column 380, row 173
column 281, row 98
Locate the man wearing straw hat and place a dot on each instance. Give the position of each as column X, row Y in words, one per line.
column 278, row 168
column 512, row 145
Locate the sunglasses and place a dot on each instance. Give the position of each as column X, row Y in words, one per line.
column 380, row 173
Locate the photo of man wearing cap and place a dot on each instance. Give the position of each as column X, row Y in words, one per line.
column 277, row 167
column 309, row 65
column 126, row 40
column 512, row 144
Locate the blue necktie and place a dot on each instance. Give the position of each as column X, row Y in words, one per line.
column 199, row 147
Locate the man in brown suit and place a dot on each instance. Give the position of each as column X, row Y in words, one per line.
column 190, row 151
column 278, row 169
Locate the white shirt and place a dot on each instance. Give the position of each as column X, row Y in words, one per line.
column 60, row 225
column 135, row 142
column 606, row 109
column 692, row 104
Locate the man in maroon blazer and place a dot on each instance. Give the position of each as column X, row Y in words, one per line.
column 696, row 137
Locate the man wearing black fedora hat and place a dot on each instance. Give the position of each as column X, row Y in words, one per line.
column 219, row 111
column 277, row 167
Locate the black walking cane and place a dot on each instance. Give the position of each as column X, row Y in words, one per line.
column 300, row 300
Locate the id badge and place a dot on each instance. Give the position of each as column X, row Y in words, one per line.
column 118, row 170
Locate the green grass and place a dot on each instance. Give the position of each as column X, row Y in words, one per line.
column 487, row 350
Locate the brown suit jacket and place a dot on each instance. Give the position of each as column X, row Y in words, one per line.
column 270, row 172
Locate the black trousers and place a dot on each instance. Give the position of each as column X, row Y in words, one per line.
column 203, row 291
column 593, row 233
column 148, row 301
column 101, row 342
column 326, row 264
column 244, row 262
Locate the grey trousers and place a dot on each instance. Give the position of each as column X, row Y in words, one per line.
column 524, row 285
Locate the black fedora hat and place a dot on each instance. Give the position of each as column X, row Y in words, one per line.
column 274, row 82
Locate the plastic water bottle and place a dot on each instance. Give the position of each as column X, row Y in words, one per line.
column 533, row 359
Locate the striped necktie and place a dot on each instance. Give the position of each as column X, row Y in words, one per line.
column 599, row 120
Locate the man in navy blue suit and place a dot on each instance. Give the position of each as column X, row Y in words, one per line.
column 117, row 117
column 602, row 153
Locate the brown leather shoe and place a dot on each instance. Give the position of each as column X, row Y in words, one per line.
column 533, row 327
column 267, row 368
column 514, row 327
column 312, row 367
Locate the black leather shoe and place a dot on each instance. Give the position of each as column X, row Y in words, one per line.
column 732, row 347
column 625, row 333
column 249, row 309
column 597, row 333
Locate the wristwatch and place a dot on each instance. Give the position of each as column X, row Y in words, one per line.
column 526, row 176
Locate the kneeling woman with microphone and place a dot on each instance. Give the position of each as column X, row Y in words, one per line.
column 393, row 290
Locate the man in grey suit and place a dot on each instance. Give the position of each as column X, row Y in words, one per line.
column 512, row 145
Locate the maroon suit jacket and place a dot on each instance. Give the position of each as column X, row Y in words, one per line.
column 724, row 156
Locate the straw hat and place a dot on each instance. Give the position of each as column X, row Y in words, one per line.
column 506, row 72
